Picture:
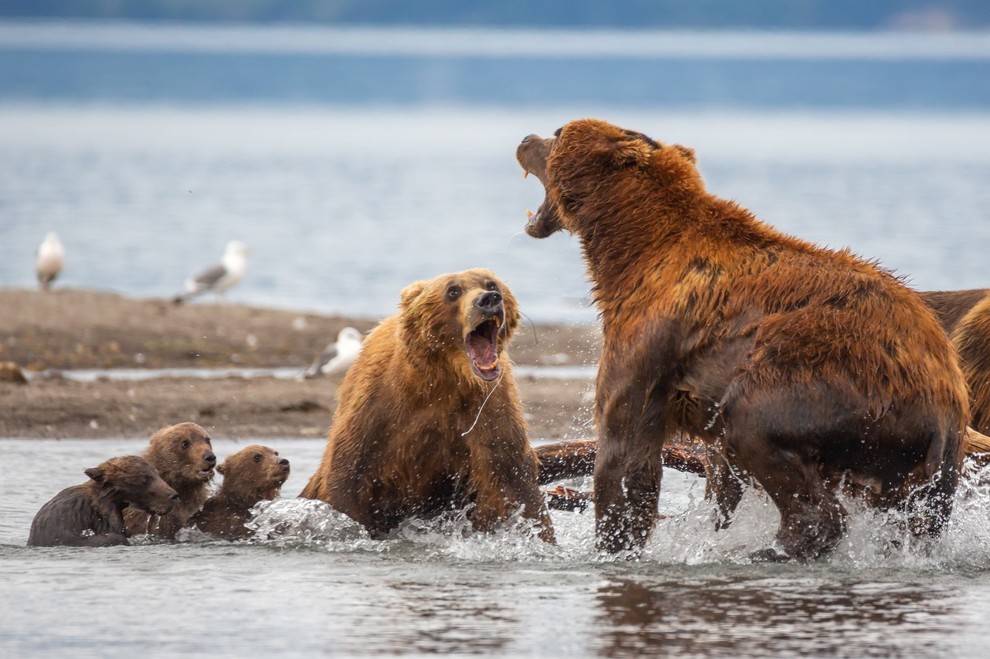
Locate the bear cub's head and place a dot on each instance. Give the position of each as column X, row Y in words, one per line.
column 133, row 480
column 590, row 167
column 465, row 317
column 183, row 454
column 253, row 474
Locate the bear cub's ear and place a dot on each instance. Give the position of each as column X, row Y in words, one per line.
column 411, row 292
column 97, row 474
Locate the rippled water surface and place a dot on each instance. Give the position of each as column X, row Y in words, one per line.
column 319, row 585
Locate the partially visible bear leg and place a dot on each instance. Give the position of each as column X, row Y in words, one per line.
column 723, row 485
column 812, row 521
column 930, row 504
column 627, row 489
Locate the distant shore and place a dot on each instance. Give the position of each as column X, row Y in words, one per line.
column 64, row 329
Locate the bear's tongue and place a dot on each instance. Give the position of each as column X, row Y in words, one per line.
column 481, row 346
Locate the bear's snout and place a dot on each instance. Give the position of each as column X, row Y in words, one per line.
column 489, row 302
column 210, row 458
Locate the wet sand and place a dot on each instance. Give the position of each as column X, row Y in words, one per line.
column 80, row 329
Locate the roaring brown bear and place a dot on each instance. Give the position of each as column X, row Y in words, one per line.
column 429, row 418
column 804, row 365
column 183, row 455
column 91, row 514
column 255, row 473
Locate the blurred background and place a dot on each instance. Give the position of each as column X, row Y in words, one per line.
column 356, row 146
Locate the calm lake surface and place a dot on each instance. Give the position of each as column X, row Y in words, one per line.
column 355, row 161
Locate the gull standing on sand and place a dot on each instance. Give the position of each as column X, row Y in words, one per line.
column 48, row 260
column 221, row 277
column 337, row 357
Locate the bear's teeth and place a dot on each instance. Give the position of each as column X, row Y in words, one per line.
column 525, row 173
column 529, row 214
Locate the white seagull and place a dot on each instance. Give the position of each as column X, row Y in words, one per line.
column 221, row 277
column 337, row 357
column 49, row 260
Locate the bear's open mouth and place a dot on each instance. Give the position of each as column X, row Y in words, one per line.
column 205, row 474
column 532, row 155
column 482, row 348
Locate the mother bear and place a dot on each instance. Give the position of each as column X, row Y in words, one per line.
column 429, row 418
column 806, row 366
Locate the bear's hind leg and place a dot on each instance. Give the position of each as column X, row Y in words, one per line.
column 812, row 521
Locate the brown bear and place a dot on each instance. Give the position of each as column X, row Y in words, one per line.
column 805, row 366
column 572, row 459
column 951, row 306
column 183, row 455
column 91, row 514
column 253, row 474
column 965, row 315
column 429, row 418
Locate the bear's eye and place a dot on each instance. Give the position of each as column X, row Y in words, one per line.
column 185, row 443
column 257, row 457
column 453, row 292
column 491, row 286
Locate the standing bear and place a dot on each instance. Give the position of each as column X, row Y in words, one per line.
column 429, row 418
column 92, row 514
column 806, row 367
column 255, row 473
column 183, row 455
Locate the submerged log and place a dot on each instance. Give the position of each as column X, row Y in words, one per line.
column 576, row 458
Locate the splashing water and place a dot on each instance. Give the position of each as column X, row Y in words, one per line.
column 684, row 534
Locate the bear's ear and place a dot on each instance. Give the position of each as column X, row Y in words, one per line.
column 411, row 292
column 221, row 469
column 687, row 152
column 97, row 474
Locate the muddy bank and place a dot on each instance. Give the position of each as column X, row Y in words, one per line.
column 73, row 329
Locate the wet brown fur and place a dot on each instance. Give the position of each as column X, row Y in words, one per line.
column 255, row 473
column 971, row 336
column 91, row 514
column 804, row 365
column 397, row 447
column 183, row 455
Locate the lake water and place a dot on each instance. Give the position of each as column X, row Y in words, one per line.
column 322, row 587
column 355, row 161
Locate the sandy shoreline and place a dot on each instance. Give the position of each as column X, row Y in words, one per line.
column 81, row 329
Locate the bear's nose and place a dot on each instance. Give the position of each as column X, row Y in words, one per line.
column 489, row 301
column 209, row 457
column 284, row 462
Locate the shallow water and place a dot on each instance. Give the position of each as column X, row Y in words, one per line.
column 567, row 372
column 319, row 585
